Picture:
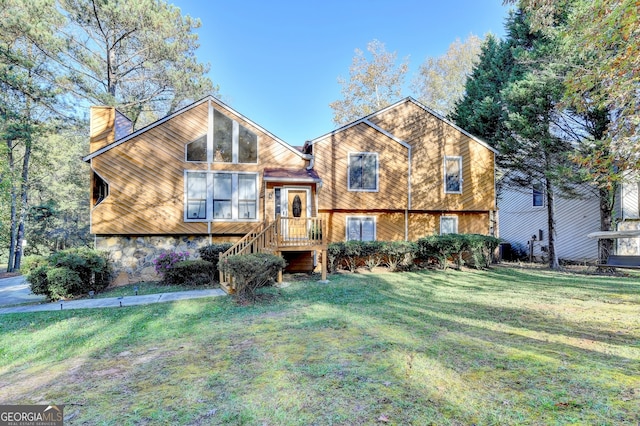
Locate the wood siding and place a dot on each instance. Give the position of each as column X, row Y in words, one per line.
column 431, row 140
column 411, row 196
column 391, row 225
column 146, row 177
column 332, row 163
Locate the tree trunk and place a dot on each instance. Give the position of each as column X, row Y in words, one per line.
column 551, row 221
column 14, row 200
column 607, row 203
column 24, row 198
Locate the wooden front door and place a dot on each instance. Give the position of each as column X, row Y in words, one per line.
column 298, row 208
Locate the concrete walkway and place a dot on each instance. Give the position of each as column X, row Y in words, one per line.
column 7, row 291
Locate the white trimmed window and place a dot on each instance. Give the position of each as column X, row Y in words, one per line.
column 453, row 175
column 363, row 171
column 538, row 194
column 220, row 196
column 448, row 225
column 230, row 143
column 361, row 228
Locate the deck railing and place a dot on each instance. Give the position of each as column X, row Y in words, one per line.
column 284, row 233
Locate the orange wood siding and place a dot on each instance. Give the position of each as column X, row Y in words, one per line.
column 146, row 177
column 432, row 139
column 390, row 226
column 331, row 163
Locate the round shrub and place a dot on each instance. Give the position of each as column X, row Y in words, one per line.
column 77, row 271
column 190, row 272
column 252, row 271
column 63, row 283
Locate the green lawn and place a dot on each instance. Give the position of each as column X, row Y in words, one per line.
column 505, row 346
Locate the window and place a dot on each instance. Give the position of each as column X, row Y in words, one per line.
column 448, row 225
column 247, row 196
column 453, row 175
column 247, row 146
column 363, row 171
column 222, row 138
column 220, row 196
column 230, row 143
column 538, row 195
column 361, row 229
column 197, row 196
column 100, row 189
column 197, row 150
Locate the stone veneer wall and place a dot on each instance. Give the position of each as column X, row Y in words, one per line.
column 133, row 256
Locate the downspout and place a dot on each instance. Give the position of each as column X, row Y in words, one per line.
column 406, row 212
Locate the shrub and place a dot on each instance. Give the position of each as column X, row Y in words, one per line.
column 166, row 260
column 335, row 255
column 194, row 272
column 252, row 271
column 352, row 254
column 371, row 252
column 64, row 282
column 399, row 254
column 474, row 249
column 212, row 252
column 68, row 273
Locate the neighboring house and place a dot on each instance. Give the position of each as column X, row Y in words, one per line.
column 523, row 220
column 208, row 174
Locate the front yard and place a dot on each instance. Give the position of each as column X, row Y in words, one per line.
column 504, row 346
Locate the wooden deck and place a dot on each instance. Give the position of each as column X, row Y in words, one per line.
column 283, row 234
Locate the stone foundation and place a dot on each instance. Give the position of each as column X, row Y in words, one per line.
column 133, row 257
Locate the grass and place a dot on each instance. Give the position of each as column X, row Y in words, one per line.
column 148, row 287
column 504, row 346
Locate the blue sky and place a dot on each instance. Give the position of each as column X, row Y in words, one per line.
column 277, row 62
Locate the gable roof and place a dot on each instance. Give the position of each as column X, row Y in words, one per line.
column 367, row 121
column 183, row 110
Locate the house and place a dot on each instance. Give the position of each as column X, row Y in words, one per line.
column 523, row 221
column 206, row 173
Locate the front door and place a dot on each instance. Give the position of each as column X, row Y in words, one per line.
column 296, row 210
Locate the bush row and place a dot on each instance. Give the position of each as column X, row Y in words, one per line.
column 433, row 251
column 68, row 273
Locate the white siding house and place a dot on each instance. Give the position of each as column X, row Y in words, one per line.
column 629, row 214
column 523, row 214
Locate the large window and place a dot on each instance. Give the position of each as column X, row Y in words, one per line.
column 230, row 143
column 197, row 150
column 361, row 228
column 363, row 171
column 196, row 196
column 220, row 196
column 448, row 225
column 453, row 175
column 538, row 195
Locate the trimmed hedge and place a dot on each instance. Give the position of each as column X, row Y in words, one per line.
column 471, row 249
column 252, row 271
column 437, row 250
column 68, row 273
column 193, row 272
